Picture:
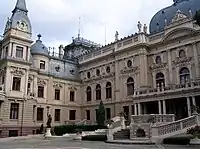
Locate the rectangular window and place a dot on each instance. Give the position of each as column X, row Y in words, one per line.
column 41, row 91
column 40, row 114
column 72, row 115
column 14, row 111
column 57, row 115
column 16, row 83
column 108, row 113
column 29, row 87
column 57, row 94
column 42, row 65
column 19, row 52
column 88, row 114
column 6, row 52
column 72, row 96
column 34, row 107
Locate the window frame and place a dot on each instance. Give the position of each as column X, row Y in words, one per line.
column 19, row 52
column 14, row 111
column 15, row 85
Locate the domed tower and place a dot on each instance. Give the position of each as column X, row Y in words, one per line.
column 40, row 54
column 165, row 16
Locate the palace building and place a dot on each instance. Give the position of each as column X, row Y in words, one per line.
column 144, row 73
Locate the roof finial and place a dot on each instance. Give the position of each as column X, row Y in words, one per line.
column 39, row 36
column 79, row 28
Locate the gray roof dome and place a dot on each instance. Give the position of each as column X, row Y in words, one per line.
column 39, row 48
column 157, row 23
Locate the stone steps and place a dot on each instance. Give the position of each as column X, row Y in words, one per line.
column 123, row 134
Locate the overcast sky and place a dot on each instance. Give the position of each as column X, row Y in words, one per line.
column 58, row 20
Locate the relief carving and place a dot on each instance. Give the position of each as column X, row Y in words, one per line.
column 130, row 69
column 17, row 71
column 41, row 82
column 57, row 85
column 183, row 60
column 156, row 67
column 73, row 88
column 30, row 78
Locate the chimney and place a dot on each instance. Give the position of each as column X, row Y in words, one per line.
column 61, row 51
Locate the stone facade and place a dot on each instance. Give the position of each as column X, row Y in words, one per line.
column 139, row 74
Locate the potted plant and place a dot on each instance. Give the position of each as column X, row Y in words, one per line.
column 194, row 131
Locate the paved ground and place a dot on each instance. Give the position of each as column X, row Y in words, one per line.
column 69, row 144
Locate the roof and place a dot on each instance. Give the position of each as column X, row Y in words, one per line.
column 165, row 15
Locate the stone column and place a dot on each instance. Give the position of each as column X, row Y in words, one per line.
column 139, row 109
column 193, row 101
column 196, row 60
column 170, row 67
column 188, row 106
column 135, row 109
column 159, row 107
column 164, row 107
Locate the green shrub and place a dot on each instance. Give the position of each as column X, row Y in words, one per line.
column 177, row 140
column 63, row 129
column 95, row 138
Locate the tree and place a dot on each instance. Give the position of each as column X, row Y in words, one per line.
column 101, row 114
column 197, row 17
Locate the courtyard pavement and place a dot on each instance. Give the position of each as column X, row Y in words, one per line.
column 37, row 143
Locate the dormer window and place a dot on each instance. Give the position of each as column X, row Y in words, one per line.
column 19, row 52
column 42, row 64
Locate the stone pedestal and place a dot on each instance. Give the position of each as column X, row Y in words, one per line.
column 48, row 133
column 195, row 141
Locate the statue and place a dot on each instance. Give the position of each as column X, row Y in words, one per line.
column 116, row 36
column 49, row 120
column 139, row 27
column 165, row 21
column 190, row 13
column 145, row 29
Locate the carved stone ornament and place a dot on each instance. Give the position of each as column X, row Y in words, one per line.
column 30, row 78
column 41, row 82
column 129, row 69
column 57, row 85
column 179, row 16
column 73, row 88
column 2, row 71
column 17, row 71
column 155, row 66
column 183, row 60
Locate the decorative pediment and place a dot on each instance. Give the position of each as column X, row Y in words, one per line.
column 156, row 67
column 177, row 33
column 57, row 85
column 179, row 16
column 129, row 69
column 17, row 71
column 41, row 82
column 183, row 60
column 73, row 88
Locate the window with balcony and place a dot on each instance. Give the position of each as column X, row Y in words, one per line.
column 41, row 91
column 184, row 75
column 72, row 115
column 57, row 115
column 88, row 114
column 42, row 65
column 72, row 96
column 98, row 92
column 89, row 93
column 108, row 90
column 40, row 112
column 14, row 111
column 19, row 52
column 16, row 83
column 130, row 86
column 160, row 79
column 57, row 94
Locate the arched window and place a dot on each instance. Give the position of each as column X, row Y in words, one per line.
column 182, row 54
column 158, row 60
column 108, row 90
column 98, row 92
column 184, row 75
column 89, row 93
column 160, row 79
column 130, row 86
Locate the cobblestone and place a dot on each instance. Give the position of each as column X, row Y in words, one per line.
column 69, row 144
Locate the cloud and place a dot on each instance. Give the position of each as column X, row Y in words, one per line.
column 58, row 20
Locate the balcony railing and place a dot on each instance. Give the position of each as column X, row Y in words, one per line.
column 167, row 89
